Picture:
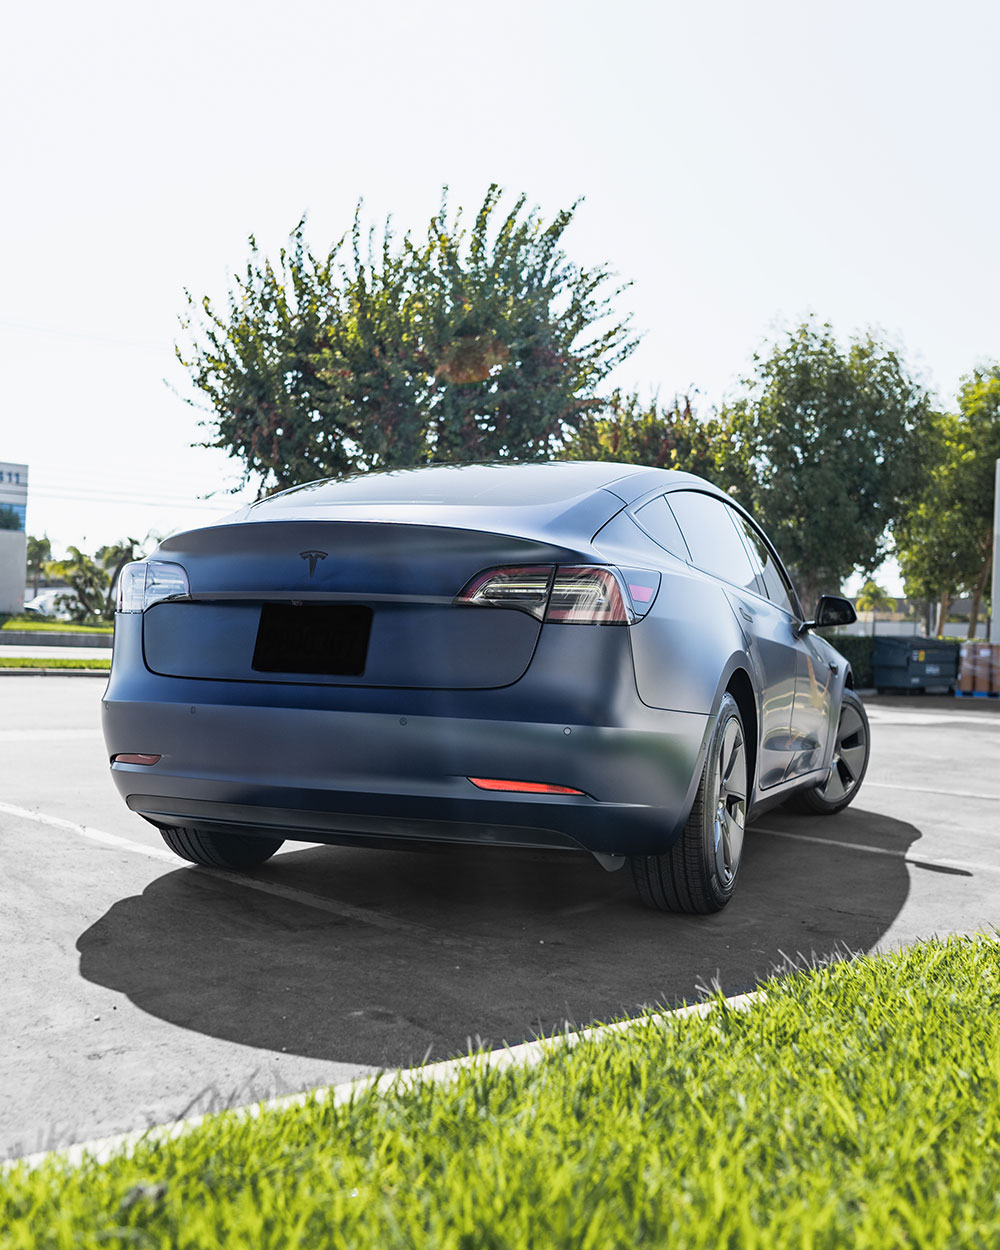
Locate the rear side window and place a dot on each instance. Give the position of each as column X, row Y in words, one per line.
column 709, row 528
column 660, row 524
column 778, row 589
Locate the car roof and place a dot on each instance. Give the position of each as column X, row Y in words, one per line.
column 544, row 491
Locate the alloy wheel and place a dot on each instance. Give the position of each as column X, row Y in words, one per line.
column 731, row 802
column 849, row 755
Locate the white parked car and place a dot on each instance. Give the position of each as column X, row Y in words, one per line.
column 55, row 603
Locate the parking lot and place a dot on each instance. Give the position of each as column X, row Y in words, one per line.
column 139, row 989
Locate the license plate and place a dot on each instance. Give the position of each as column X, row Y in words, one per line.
column 317, row 639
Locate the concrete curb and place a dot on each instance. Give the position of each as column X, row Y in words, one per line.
column 53, row 638
column 55, row 672
column 527, row 1054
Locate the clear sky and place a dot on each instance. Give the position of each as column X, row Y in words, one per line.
column 743, row 165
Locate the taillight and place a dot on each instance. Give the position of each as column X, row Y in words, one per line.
column 585, row 594
column 642, row 586
column 146, row 582
column 526, row 588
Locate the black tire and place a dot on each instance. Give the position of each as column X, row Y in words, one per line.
column 220, row 850
column 850, row 762
column 698, row 874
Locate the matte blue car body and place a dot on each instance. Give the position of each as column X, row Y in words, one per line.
column 623, row 713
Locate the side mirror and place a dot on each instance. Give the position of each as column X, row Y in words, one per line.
column 832, row 610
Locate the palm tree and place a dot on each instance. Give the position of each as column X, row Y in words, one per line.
column 872, row 598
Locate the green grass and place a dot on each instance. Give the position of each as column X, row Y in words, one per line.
column 38, row 661
column 857, row 1106
column 38, row 625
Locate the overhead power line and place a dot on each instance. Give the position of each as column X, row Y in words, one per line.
column 87, row 337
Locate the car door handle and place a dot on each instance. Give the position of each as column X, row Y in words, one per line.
column 747, row 615
column 834, row 668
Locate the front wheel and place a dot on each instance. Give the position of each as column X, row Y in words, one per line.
column 219, row 850
column 698, row 874
column 849, row 764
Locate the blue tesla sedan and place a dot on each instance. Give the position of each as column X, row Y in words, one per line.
column 589, row 657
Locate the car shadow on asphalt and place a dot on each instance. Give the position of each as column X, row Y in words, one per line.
column 414, row 954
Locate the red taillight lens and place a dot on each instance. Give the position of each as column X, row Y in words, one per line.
column 522, row 787
column 586, row 594
column 140, row 758
column 642, row 585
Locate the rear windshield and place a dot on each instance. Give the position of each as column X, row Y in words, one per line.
column 461, row 485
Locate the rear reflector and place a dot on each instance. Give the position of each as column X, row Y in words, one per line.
column 136, row 759
column 522, row 787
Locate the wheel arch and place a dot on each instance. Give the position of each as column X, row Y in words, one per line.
column 740, row 686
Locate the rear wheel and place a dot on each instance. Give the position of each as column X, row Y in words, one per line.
column 849, row 764
column 219, row 850
column 698, row 873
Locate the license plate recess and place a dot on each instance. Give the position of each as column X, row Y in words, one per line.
column 319, row 639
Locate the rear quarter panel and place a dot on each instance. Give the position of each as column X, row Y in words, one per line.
column 686, row 647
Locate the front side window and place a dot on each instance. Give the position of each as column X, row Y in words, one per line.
column 778, row 589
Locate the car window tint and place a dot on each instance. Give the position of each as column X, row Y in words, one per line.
column 660, row 524
column 708, row 525
column 778, row 590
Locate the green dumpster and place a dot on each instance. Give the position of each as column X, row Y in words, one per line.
column 915, row 663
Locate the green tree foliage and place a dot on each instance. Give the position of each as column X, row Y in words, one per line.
column 38, row 554
column 91, row 581
column 873, row 598
column 475, row 342
column 824, row 446
column 945, row 540
column 634, row 432
column 9, row 520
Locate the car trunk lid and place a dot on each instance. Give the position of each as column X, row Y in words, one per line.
column 342, row 602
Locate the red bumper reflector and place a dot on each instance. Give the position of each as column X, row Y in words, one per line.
column 136, row 759
column 522, row 787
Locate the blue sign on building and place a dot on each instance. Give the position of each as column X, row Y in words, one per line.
column 14, row 491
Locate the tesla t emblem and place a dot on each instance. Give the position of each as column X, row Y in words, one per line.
column 312, row 557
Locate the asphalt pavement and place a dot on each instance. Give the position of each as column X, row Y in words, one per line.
column 140, row 989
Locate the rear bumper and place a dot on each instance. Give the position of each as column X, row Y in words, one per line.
column 340, row 765
column 351, row 776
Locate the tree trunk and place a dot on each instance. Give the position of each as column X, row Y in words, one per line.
column 943, row 606
column 977, row 595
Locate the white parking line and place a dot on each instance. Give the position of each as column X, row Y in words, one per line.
column 348, row 911
column 527, row 1054
column 924, row 861
column 901, row 716
column 953, row 794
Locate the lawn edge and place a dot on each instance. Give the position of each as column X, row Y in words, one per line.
column 527, row 1054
